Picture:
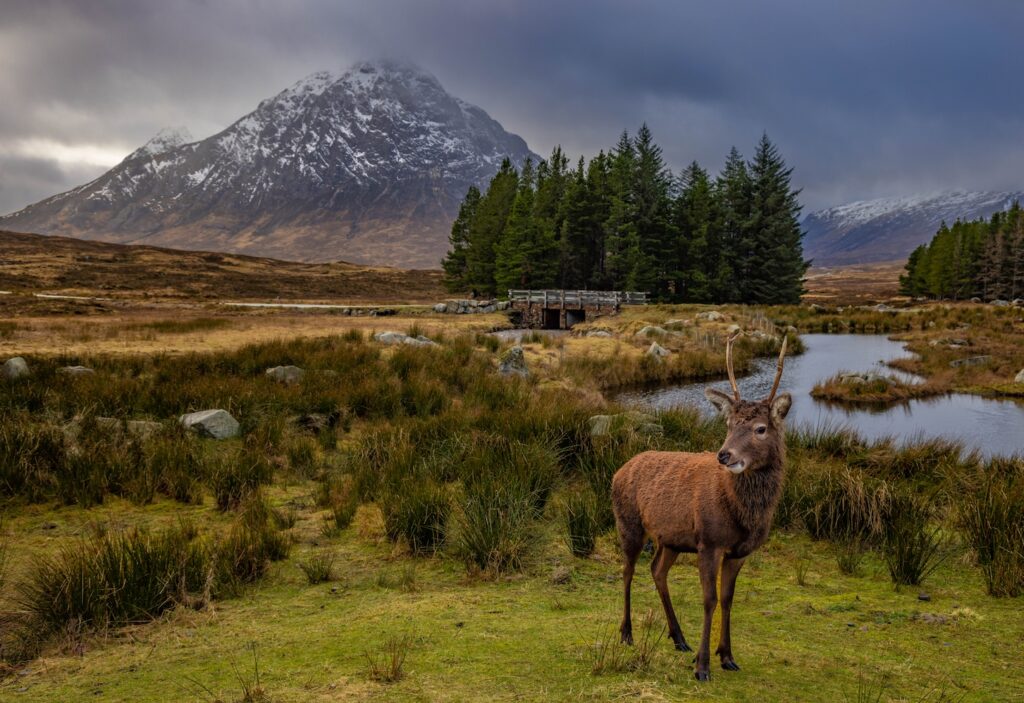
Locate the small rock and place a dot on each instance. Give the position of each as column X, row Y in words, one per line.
column 14, row 368
column 75, row 370
column 383, row 312
column 441, row 307
column 732, row 329
column 676, row 323
column 216, row 424
column 639, row 422
column 649, row 330
column 389, row 337
column 598, row 333
column 971, row 361
column 924, row 597
column 501, row 305
column 711, row 316
column 1018, row 302
column 657, row 351
column 513, row 362
column 287, row 375
column 1020, row 377
column 1001, row 303
column 868, row 377
column 975, row 300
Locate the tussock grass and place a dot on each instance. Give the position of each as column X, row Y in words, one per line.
column 318, row 567
column 990, row 512
column 387, row 664
column 582, row 522
column 876, row 392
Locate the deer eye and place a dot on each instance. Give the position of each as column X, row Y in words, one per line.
column 762, row 429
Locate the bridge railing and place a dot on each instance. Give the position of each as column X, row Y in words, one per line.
column 561, row 298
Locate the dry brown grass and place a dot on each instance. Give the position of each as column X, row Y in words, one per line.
column 858, row 283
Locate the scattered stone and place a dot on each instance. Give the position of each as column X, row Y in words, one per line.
column 711, row 316
column 1018, row 302
column 882, row 307
column 15, row 368
column 676, row 323
column 657, row 351
column 75, row 370
column 287, row 375
column 975, row 300
column 639, row 422
column 816, row 308
column 421, row 341
column 924, row 597
column 513, row 362
column 954, row 343
column 1020, row 377
column 598, row 333
column 1001, row 303
column 441, row 307
column 464, row 307
column 502, row 305
column 216, row 424
column 315, row 423
column 732, row 329
column 790, row 329
column 971, row 361
column 867, row 377
column 383, row 312
column 649, row 330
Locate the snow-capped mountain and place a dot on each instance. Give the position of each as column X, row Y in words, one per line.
column 888, row 229
column 368, row 166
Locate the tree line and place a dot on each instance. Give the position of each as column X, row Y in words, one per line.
column 624, row 221
column 980, row 258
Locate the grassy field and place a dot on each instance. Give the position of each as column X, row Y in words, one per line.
column 406, row 524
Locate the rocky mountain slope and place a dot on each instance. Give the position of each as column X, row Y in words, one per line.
column 889, row 229
column 368, row 166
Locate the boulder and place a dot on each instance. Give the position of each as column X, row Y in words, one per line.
column 1020, row 377
column 441, row 307
column 598, row 333
column 513, row 362
column 732, row 329
column 420, row 341
column 389, row 337
column 383, row 312
column 971, row 361
column 75, row 370
column 1001, row 303
column 657, row 351
column 216, row 424
column 287, row 375
column 501, row 305
column 14, row 368
column 973, row 300
column 677, row 323
column 649, row 330
column 711, row 316
column 1018, row 302
column 882, row 307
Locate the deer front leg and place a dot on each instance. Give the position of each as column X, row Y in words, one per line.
column 708, row 562
column 730, row 570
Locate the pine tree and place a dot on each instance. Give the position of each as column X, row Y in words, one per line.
column 654, row 270
column 622, row 252
column 735, row 254
column 456, row 275
column 487, row 228
column 774, row 265
column 578, row 259
column 510, row 262
column 697, row 244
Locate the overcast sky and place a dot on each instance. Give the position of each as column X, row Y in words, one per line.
column 865, row 98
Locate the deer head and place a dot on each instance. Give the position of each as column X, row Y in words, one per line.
column 756, row 431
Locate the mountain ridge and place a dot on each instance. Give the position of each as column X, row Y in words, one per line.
column 368, row 165
column 888, row 229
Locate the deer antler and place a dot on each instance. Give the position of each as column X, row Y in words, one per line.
column 728, row 365
column 778, row 374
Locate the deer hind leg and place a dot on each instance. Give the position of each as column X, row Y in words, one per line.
column 730, row 570
column 632, row 541
column 664, row 558
column 708, row 561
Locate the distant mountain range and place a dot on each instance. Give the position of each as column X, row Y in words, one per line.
column 366, row 166
column 889, row 229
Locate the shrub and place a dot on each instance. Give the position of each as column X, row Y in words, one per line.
column 849, row 555
column 838, row 503
column 991, row 515
column 114, row 579
column 582, row 523
column 416, row 509
column 910, row 547
column 387, row 664
column 494, row 527
column 318, row 568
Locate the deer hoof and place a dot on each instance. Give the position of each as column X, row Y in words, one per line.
column 702, row 675
column 730, row 665
column 683, row 647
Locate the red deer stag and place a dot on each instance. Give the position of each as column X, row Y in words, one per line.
column 717, row 506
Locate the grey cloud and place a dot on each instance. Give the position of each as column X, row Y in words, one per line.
column 865, row 99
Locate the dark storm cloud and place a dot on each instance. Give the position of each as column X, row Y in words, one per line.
column 865, row 99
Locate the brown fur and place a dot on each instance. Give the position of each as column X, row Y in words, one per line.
column 689, row 502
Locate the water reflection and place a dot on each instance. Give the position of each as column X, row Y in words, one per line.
column 993, row 427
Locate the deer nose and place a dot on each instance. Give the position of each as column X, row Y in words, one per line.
column 725, row 457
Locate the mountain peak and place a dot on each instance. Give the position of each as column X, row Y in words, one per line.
column 367, row 165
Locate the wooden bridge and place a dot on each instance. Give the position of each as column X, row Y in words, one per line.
column 561, row 309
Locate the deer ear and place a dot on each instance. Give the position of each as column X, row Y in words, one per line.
column 719, row 399
column 780, row 407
